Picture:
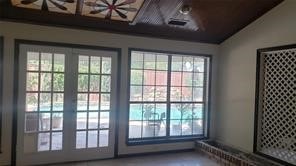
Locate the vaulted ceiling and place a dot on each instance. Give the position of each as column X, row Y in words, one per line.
column 209, row 21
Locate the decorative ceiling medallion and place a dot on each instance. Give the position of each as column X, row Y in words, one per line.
column 60, row 6
column 122, row 10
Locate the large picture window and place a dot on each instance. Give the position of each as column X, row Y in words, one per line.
column 168, row 95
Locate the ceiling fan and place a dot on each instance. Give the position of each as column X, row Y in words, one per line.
column 111, row 7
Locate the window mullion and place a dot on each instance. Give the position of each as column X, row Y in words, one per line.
column 168, row 96
column 205, row 90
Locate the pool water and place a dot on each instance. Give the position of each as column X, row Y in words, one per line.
column 137, row 112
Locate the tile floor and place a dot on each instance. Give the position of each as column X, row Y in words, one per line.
column 170, row 159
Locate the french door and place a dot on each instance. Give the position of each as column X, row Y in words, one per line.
column 66, row 104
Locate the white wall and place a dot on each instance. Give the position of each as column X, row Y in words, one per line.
column 237, row 70
column 12, row 31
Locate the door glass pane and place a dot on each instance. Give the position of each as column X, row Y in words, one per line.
column 31, row 102
column 106, row 65
column 46, row 61
column 94, row 100
column 32, row 81
column 45, row 79
column 44, row 122
column 83, row 64
column 45, row 102
column 94, row 84
column 58, row 82
column 33, row 61
column 59, row 62
column 105, row 102
column 43, row 141
column 81, row 120
column 83, row 83
column 82, row 101
column 104, row 120
column 106, row 83
column 95, row 65
column 57, row 141
column 92, row 139
column 104, row 138
column 31, row 122
column 57, row 121
column 57, row 101
column 80, row 139
column 93, row 120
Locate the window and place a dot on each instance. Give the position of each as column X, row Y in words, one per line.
column 168, row 96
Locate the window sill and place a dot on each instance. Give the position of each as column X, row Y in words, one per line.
column 136, row 142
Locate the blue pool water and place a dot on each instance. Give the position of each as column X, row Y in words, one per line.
column 136, row 112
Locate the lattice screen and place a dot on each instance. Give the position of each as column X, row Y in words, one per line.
column 277, row 113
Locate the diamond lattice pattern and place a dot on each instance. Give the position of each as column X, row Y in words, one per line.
column 278, row 123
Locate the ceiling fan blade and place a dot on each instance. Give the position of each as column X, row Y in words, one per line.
column 109, row 14
column 97, row 11
column 68, row 1
column 27, row 2
column 58, row 5
column 126, row 2
column 114, row 2
column 106, row 2
column 121, row 14
column 93, row 4
column 128, row 9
